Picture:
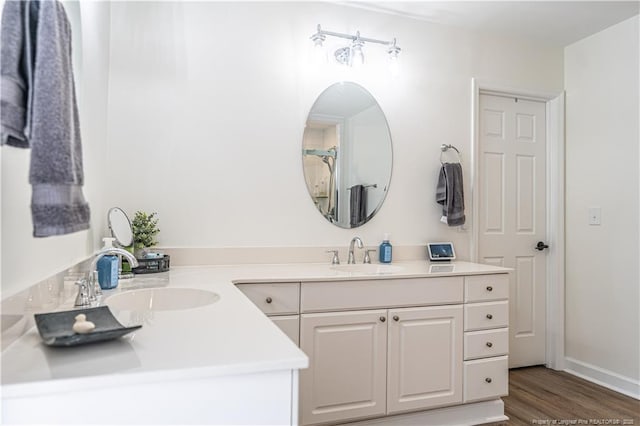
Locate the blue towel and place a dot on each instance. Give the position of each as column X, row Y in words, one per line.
column 450, row 194
column 38, row 92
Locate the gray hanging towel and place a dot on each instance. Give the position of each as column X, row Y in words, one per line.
column 36, row 48
column 450, row 194
column 16, row 67
column 358, row 205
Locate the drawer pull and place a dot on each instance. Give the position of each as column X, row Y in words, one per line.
column 489, row 316
column 488, row 380
column 269, row 300
column 382, row 319
column 396, row 318
column 489, row 288
column 489, row 344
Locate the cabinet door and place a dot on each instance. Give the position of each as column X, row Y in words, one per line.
column 347, row 362
column 289, row 324
column 425, row 357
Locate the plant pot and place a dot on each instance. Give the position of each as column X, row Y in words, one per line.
column 141, row 253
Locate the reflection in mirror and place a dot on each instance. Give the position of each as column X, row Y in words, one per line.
column 120, row 226
column 347, row 155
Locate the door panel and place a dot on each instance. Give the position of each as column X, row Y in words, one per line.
column 425, row 358
column 346, row 375
column 512, row 214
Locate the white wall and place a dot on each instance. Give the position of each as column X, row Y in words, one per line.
column 27, row 260
column 196, row 110
column 602, row 162
column 208, row 101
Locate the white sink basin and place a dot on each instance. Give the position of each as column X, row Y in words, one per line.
column 161, row 299
column 368, row 268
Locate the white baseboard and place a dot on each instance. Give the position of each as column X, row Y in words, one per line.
column 603, row 377
column 466, row 414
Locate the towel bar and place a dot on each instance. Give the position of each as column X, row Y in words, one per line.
column 445, row 147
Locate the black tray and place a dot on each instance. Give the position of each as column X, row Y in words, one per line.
column 56, row 328
column 150, row 266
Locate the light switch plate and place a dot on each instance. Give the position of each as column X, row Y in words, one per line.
column 595, row 214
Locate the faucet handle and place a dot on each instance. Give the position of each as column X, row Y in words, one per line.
column 82, row 299
column 94, row 286
column 367, row 258
column 335, row 260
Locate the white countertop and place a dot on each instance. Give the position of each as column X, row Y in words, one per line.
column 228, row 337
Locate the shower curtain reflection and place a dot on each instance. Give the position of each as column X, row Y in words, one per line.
column 324, row 184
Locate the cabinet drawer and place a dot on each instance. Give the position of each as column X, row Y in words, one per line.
column 478, row 316
column 486, row 343
column 478, row 288
column 290, row 325
column 273, row 298
column 486, row 378
column 387, row 293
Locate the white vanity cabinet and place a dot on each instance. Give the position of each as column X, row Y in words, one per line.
column 486, row 337
column 279, row 301
column 375, row 362
column 432, row 349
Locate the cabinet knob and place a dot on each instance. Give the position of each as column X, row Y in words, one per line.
column 489, row 344
column 489, row 288
column 488, row 380
column 269, row 300
column 396, row 318
column 382, row 319
column 489, row 316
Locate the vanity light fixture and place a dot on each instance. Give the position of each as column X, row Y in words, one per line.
column 353, row 54
column 393, row 52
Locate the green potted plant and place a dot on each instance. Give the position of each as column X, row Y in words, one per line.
column 145, row 229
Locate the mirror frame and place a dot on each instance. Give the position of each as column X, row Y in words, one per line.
column 116, row 219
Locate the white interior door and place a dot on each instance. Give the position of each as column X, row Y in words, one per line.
column 512, row 214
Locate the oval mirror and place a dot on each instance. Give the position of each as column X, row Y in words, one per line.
column 120, row 226
column 347, row 155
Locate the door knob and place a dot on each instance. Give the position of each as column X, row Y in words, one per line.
column 541, row 246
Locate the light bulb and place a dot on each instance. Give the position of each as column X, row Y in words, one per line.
column 394, row 67
column 393, row 52
column 357, row 56
column 319, row 52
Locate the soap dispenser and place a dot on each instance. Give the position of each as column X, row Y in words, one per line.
column 108, row 267
column 385, row 250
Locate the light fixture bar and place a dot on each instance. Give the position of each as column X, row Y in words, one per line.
column 322, row 32
column 353, row 55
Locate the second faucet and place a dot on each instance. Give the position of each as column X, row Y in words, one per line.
column 354, row 240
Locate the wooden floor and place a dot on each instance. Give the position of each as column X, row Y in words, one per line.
column 538, row 395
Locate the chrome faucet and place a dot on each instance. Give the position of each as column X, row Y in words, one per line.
column 352, row 258
column 110, row 251
column 92, row 288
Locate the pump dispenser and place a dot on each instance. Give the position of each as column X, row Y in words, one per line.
column 108, row 267
column 385, row 250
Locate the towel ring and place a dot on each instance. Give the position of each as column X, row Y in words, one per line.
column 445, row 147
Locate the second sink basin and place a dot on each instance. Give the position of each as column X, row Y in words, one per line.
column 161, row 299
column 368, row 268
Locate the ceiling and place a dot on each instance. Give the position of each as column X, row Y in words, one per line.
column 558, row 23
